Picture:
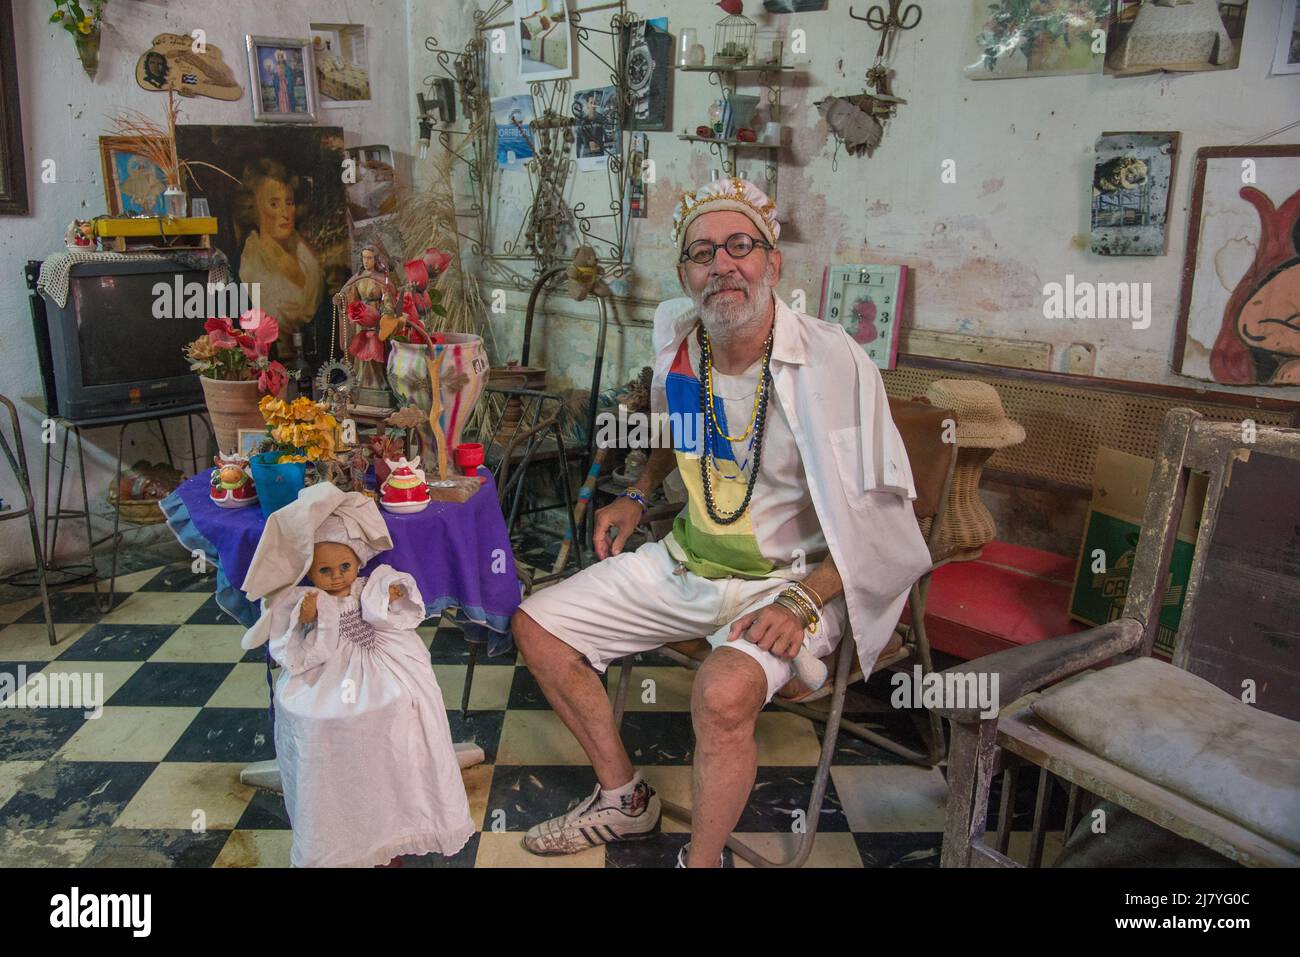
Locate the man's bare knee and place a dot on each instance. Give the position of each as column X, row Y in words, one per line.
column 538, row 646
column 729, row 692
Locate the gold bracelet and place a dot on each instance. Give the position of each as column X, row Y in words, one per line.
column 795, row 601
column 813, row 592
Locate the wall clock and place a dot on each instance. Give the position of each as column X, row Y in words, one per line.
column 867, row 300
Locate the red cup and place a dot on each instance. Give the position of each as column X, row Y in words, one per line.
column 468, row 457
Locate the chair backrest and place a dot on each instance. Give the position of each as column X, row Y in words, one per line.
column 1240, row 625
column 922, row 427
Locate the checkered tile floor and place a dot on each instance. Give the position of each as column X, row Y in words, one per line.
column 186, row 709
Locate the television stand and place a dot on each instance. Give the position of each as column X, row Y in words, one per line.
column 73, row 427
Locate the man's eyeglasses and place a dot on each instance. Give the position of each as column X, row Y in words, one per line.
column 738, row 246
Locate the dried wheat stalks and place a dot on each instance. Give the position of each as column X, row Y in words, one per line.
column 145, row 137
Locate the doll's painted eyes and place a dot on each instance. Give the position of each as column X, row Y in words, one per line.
column 345, row 566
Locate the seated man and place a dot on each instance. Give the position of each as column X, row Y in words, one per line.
column 799, row 526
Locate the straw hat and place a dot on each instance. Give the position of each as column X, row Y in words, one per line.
column 982, row 423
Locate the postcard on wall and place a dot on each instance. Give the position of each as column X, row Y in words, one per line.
column 1237, row 321
column 370, row 183
column 1012, row 38
column 648, row 72
column 596, row 132
column 1181, row 36
column 545, row 34
column 1286, row 59
column 341, row 61
column 1131, row 187
column 513, row 116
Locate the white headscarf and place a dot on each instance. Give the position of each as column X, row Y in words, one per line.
column 321, row 513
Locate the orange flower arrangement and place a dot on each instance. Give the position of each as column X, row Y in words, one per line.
column 302, row 430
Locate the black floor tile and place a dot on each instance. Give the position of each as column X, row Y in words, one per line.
column 524, row 795
column 464, row 858
column 526, row 694
column 780, row 800
column 34, row 734
column 13, row 674
column 74, row 607
column 118, row 643
column 905, row 849
column 226, row 734
column 265, row 812
column 75, row 794
column 480, row 727
column 180, row 578
column 176, row 684
column 851, row 750
column 210, row 613
column 128, row 847
column 658, row 737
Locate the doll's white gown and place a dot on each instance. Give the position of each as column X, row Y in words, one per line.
column 361, row 734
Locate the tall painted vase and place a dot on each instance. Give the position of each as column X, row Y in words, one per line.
column 464, row 374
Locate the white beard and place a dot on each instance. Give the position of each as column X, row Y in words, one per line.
column 731, row 319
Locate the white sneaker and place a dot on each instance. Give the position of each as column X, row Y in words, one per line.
column 586, row 825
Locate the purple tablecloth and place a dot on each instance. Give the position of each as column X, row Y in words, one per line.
column 458, row 553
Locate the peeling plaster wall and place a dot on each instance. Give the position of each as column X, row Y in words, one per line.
column 981, row 248
column 63, row 114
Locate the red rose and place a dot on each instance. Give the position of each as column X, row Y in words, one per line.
column 417, row 273
column 362, row 314
column 436, row 260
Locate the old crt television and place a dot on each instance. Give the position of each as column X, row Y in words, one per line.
column 106, row 353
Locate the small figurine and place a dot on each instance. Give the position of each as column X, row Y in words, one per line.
column 232, row 482
column 404, row 490
column 80, row 236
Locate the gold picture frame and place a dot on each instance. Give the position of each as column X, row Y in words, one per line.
column 130, row 189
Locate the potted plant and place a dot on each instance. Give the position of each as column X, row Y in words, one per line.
column 235, row 370
column 301, row 432
column 85, row 25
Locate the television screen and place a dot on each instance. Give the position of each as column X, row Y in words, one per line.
column 122, row 341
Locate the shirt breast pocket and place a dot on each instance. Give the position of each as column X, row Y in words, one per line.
column 853, row 466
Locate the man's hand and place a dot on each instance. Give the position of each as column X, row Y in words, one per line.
column 773, row 628
column 395, row 592
column 623, row 514
column 307, row 613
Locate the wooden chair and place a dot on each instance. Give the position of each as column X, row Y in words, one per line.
column 932, row 460
column 1245, row 558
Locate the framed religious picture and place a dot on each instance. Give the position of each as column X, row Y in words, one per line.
column 1180, row 36
column 13, row 167
column 133, row 184
column 1131, row 185
column 867, row 300
column 1015, row 38
column 1237, row 320
column 647, row 73
column 545, row 35
column 283, row 80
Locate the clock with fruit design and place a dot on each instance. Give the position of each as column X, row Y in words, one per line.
column 867, row 300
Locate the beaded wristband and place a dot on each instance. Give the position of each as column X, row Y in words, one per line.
column 637, row 496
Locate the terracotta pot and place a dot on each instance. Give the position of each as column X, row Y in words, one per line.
column 232, row 406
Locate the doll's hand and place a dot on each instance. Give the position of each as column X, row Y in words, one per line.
column 307, row 613
column 395, row 592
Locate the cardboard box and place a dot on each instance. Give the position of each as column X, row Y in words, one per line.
column 1119, row 495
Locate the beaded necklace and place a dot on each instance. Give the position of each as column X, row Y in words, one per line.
column 711, row 428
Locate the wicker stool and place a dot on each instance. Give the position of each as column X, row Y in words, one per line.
column 982, row 429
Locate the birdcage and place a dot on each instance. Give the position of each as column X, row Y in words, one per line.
column 733, row 39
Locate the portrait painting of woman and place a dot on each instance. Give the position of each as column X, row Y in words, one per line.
column 284, row 224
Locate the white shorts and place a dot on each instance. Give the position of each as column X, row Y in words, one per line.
column 633, row 602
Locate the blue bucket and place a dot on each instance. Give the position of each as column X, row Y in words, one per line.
column 278, row 483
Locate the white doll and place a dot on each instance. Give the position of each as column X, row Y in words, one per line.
column 361, row 734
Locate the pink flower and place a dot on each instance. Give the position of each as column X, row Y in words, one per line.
column 362, row 314
column 436, row 260
column 220, row 333
column 263, row 326
column 417, row 273
column 271, row 380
